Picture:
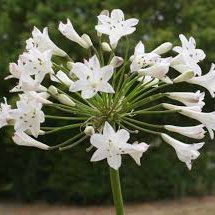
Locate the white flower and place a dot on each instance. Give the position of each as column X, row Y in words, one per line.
column 142, row 59
column 41, row 41
column 110, row 145
column 31, row 70
column 180, row 108
column 22, row 139
column 69, row 32
column 182, row 64
column 194, row 112
column 4, row 113
column 92, row 78
column 62, row 77
column 188, row 56
column 14, row 71
column 196, row 132
column 37, row 97
column 35, row 63
column 185, row 152
column 188, row 98
column 28, row 115
column 188, row 49
column 158, row 70
column 115, row 26
column 150, row 64
column 207, row 81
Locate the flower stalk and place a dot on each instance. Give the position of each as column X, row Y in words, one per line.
column 116, row 191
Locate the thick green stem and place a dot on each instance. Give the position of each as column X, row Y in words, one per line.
column 116, row 190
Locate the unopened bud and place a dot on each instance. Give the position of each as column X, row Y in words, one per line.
column 184, row 77
column 89, row 130
column 106, row 47
column 53, row 90
column 163, row 48
column 64, row 99
column 69, row 65
column 87, row 40
column 116, row 61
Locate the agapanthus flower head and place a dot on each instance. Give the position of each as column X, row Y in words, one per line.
column 102, row 98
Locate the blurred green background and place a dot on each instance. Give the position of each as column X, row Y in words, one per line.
column 69, row 177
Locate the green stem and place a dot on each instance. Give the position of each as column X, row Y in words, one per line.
column 116, row 190
column 65, row 118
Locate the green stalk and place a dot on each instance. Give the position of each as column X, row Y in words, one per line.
column 141, row 129
column 116, row 191
column 73, row 144
column 144, row 123
column 65, row 118
column 56, row 129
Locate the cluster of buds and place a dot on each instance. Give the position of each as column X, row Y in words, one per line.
column 104, row 95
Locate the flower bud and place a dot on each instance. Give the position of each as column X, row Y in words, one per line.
column 62, row 77
column 53, row 90
column 89, row 130
column 116, row 61
column 64, row 99
column 69, row 65
column 106, row 47
column 87, row 39
column 184, row 77
column 163, row 48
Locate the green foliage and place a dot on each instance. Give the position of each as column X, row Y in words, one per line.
column 29, row 174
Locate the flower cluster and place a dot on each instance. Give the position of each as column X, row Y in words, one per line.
column 105, row 96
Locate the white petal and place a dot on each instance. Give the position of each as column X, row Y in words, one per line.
column 122, row 135
column 106, row 87
column 99, row 154
column 114, row 161
column 108, row 130
column 88, row 93
column 98, row 140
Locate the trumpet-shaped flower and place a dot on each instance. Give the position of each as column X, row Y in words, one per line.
column 207, row 119
column 28, row 115
column 207, row 81
column 35, row 63
column 22, row 139
column 188, row 98
column 92, row 78
column 188, row 49
column 69, row 32
column 142, row 59
column 115, row 26
column 188, row 56
column 185, row 152
column 42, row 42
column 4, row 113
column 158, row 70
column 196, row 132
column 110, row 145
column 31, row 69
